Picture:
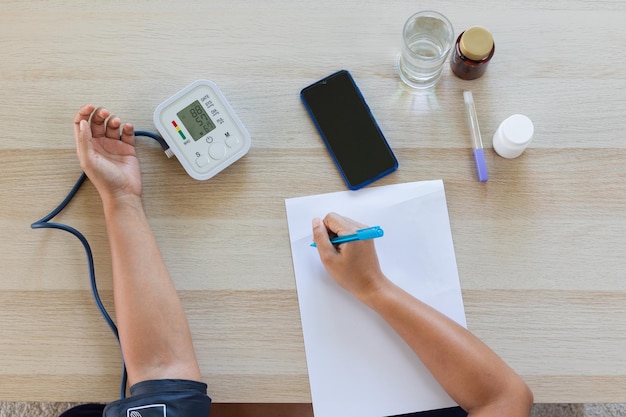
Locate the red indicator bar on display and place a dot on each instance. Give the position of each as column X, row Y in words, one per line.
column 180, row 132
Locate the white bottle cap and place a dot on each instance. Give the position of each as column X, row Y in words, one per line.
column 513, row 136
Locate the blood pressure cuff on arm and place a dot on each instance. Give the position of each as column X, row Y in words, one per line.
column 163, row 398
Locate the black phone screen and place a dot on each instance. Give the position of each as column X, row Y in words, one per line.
column 349, row 129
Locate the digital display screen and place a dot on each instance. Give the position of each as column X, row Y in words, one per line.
column 196, row 120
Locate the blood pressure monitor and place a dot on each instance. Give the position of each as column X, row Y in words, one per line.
column 202, row 129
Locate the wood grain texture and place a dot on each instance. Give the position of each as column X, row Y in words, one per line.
column 540, row 247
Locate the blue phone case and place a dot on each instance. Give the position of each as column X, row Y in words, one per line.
column 353, row 186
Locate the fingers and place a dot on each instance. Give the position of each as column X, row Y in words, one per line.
column 83, row 140
column 83, row 114
column 112, row 128
column 96, row 118
column 102, row 123
column 321, row 239
column 341, row 225
column 335, row 223
column 98, row 122
column 128, row 134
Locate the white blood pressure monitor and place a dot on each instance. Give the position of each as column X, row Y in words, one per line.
column 202, row 129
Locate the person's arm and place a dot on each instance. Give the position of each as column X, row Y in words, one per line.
column 471, row 373
column 154, row 333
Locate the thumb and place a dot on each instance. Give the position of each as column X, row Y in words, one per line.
column 83, row 139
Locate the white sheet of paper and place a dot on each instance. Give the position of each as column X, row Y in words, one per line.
column 357, row 364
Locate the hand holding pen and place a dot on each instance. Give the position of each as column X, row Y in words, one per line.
column 354, row 266
column 361, row 234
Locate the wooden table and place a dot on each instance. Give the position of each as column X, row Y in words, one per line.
column 540, row 247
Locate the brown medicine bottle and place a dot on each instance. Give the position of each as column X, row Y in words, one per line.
column 472, row 52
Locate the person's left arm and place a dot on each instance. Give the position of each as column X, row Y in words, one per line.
column 154, row 333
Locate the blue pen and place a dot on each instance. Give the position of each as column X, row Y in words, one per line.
column 362, row 234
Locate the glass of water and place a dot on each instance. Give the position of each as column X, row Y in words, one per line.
column 427, row 38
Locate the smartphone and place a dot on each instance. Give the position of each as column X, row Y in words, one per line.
column 349, row 129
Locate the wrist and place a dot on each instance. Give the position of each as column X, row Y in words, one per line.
column 378, row 289
column 115, row 203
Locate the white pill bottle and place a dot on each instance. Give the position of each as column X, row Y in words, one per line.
column 513, row 136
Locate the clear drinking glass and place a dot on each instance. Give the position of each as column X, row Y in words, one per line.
column 427, row 38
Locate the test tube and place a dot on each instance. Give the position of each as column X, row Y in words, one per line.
column 477, row 143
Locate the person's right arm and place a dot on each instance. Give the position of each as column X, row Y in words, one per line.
column 469, row 371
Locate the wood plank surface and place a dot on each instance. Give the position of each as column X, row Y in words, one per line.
column 540, row 247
